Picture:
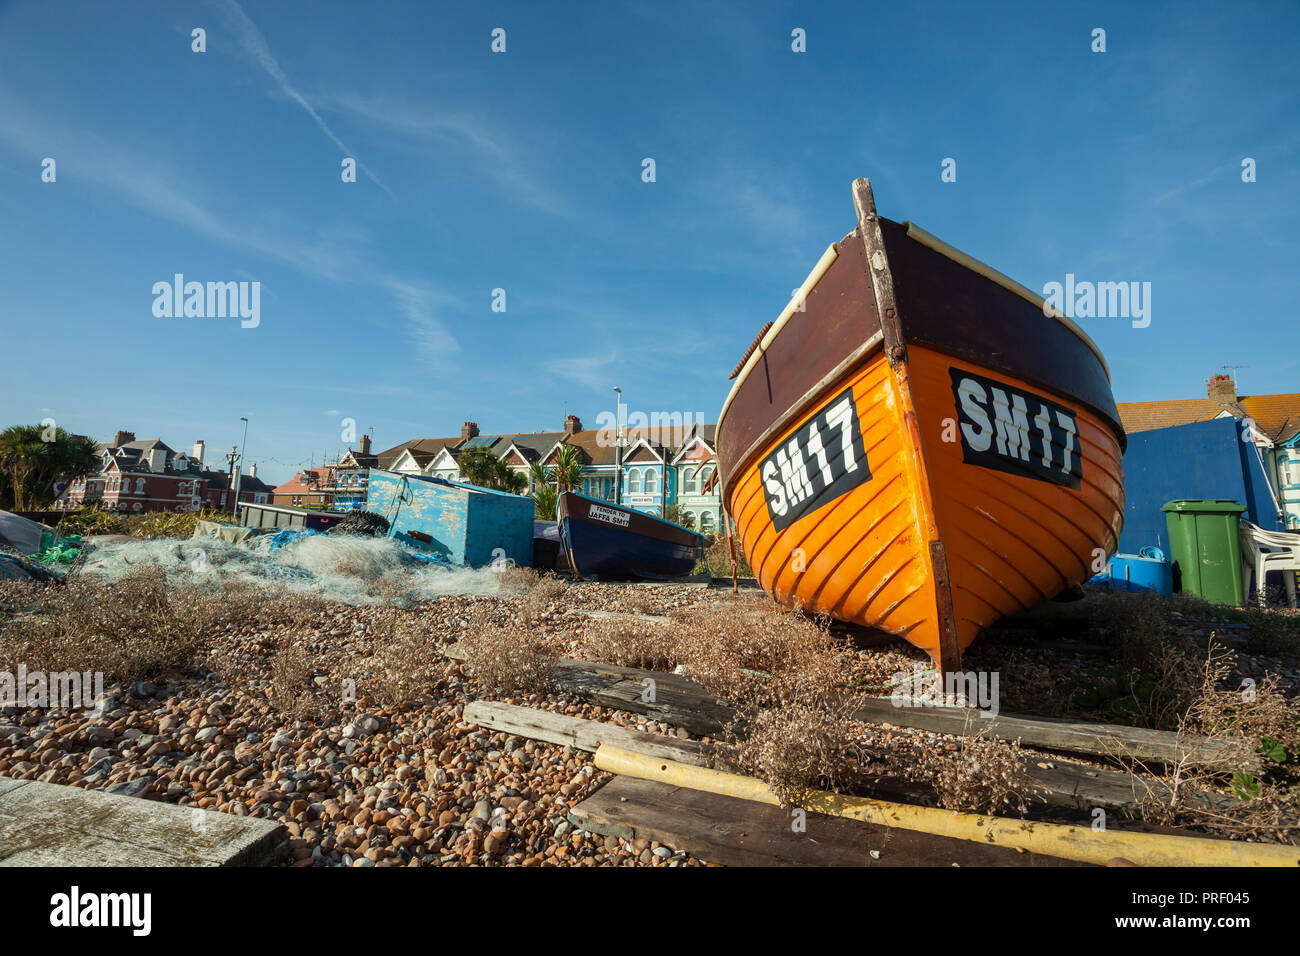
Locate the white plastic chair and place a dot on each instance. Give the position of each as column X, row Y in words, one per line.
column 1263, row 551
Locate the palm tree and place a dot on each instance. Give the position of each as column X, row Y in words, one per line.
column 568, row 468
column 480, row 467
column 676, row 515
column 33, row 458
column 539, row 476
column 545, row 498
column 513, row 481
column 477, row 466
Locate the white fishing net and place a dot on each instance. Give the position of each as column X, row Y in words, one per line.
column 339, row 568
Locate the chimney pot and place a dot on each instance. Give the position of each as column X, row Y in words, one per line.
column 1222, row 389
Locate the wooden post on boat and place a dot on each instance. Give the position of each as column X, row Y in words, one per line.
column 731, row 543
column 895, row 345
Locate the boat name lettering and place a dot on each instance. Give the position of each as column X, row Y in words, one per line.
column 609, row 515
column 1015, row 431
column 822, row 460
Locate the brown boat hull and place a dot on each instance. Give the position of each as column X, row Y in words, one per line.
column 981, row 472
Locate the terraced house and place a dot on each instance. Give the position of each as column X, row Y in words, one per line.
column 658, row 467
column 1270, row 422
column 140, row 476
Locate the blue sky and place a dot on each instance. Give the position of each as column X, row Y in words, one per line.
column 522, row 171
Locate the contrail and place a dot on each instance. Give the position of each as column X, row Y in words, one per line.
column 255, row 44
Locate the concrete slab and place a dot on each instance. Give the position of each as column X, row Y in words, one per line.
column 47, row 824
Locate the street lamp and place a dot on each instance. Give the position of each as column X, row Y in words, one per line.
column 618, row 446
column 239, row 468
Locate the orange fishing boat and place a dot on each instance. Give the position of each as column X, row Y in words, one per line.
column 919, row 444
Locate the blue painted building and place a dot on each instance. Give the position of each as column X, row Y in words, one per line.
column 1267, row 430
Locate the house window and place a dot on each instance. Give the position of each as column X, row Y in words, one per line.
column 705, row 473
column 690, row 482
column 707, row 522
column 651, row 482
column 634, row 481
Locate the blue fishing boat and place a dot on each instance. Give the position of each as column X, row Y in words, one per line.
column 607, row 540
column 460, row 524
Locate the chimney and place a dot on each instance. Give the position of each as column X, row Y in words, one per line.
column 365, row 444
column 197, row 454
column 252, row 470
column 121, row 438
column 1222, row 389
column 572, row 425
column 468, row 430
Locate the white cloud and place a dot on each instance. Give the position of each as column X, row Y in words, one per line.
column 418, row 301
column 497, row 156
column 586, row 370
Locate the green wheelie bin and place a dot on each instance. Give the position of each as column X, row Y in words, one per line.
column 1204, row 549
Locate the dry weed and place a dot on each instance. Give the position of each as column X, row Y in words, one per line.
column 983, row 775
column 536, row 592
column 404, row 661
column 1253, row 718
column 629, row 643
column 138, row 628
column 799, row 748
column 506, row 656
column 757, row 654
column 291, row 679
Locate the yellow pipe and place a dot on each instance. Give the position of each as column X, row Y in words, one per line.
column 1049, row 839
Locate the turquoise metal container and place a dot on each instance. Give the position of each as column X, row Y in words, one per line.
column 463, row 524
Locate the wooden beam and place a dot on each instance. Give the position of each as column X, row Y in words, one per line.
column 733, row 832
column 579, row 733
column 625, row 688
column 1056, row 782
column 689, row 701
column 48, row 824
column 1063, row 736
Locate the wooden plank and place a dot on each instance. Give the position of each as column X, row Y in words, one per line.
column 46, row 824
column 678, row 695
column 1064, row 784
column 737, row 832
column 607, row 686
column 1056, row 782
column 1058, row 736
column 579, row 733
